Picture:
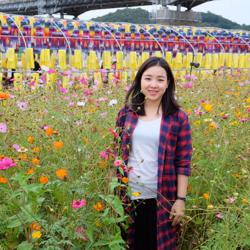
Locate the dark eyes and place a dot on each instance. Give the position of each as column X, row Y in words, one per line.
column 148, row 79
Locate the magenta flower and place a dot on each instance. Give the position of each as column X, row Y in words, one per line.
column 3, row 128
column 104, row 155
column 6, row 163
column 76, row 204
column 188, row 85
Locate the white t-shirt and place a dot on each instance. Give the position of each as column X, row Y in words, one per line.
column 143, row 159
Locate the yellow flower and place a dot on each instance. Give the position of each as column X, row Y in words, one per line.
column 136, row 194
column 103, row 164
column 208, row 107
column 210, row 206
column 234, row 123
column 58, row 144
column 85, row 140
column 23, row 157
column 36, row 150
column 31, row 139
column 36, row 235
column 213, row 125
column 245, row 201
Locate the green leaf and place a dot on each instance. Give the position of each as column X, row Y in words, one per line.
column 25, row 246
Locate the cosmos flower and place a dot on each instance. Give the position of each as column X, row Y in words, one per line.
column 76, row 204
column 3, row 128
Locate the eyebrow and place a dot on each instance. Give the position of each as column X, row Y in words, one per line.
column 157, row 76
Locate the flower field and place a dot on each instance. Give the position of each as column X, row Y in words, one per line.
column 57, row 167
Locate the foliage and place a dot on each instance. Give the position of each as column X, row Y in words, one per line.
column 137, row 15
column 38, row 213
column 143, row 17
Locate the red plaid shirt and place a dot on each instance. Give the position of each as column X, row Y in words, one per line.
column 174, row 157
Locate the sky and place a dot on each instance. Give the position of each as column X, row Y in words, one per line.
column 235, row 10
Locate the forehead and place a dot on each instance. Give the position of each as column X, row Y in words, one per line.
column 155, row 71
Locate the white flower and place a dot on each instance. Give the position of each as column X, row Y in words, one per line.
column 112, row 102
column 81, row 104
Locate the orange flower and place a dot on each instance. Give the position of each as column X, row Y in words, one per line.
column 31, row 139
column 23, row 157
column 58, row 144
column 99, row 206
column 206, row 196
column 36, row 150
column 35, row 161
column 61, row 173
column 4, row 96
column 35, row 226
column 125, row 180
column 43, row 179
column 3, row 180
column 30, row 171
column 49, row 131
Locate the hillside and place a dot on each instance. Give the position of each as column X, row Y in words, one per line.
column 142, row 16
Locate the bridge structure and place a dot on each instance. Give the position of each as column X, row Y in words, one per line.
column 77, row 7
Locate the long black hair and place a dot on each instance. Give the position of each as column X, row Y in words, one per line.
column 135, row 98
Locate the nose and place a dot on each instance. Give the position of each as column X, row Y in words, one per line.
column 153, row 83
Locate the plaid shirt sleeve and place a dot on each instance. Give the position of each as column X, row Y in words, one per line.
column 183, row 153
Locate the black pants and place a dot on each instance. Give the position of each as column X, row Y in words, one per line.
column 145, row 224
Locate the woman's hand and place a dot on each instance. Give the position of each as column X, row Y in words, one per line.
column 177, row 212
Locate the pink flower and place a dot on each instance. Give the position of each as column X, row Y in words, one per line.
column 117, row 163
column 16, row 147
column 231, row 200
column 104, row 155
column 81, row 233
column 198, row 111
column 104, row 114
column 3, row 128
column 114, row 133
column 87, row 92
column 243, row 120
column 76, row 204
column 6, row 163
column 22, row 105
column 225, row 116
column 51, row 71
column 188, row 85
column 219, row 216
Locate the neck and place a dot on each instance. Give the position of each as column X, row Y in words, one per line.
column 153, row 107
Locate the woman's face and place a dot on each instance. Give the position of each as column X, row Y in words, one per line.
column 154, row 83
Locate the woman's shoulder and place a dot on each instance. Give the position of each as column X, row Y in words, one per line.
column 180, row 115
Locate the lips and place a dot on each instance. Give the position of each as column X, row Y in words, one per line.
column 152, row 92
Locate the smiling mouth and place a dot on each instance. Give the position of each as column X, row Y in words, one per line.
column 152, row 92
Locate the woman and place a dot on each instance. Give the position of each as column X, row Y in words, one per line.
column 156, row 148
